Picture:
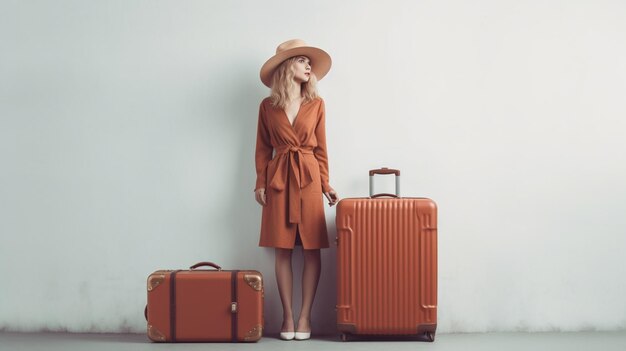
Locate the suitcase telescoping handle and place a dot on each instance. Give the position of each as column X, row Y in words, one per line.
column 203, row 264
column 384, row 170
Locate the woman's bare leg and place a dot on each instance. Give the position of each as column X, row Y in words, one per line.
column 284, row 278
column 310, row 278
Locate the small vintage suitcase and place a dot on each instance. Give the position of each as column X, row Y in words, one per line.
column 387, row 265
column 200, row 305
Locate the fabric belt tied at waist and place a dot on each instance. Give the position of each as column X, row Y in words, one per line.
column 292, row 172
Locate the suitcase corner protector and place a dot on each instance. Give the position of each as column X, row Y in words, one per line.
column 254, row 334
column 154, row 280
column 254, row 280
column 155, row 335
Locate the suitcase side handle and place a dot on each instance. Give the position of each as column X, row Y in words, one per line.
column 203, row 264
column 384, row 170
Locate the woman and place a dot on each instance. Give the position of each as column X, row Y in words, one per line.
column 289, row 186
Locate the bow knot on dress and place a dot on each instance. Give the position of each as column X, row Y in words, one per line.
column 294, row 173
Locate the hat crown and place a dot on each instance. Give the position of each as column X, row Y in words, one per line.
column 290, row 44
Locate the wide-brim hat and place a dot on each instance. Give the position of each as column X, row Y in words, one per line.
column 320, row 60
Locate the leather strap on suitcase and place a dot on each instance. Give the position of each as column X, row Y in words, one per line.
column 234, row 305
column 173, row 305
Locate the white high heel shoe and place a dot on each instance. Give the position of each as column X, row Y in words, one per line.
column 303, row 335
column 287, row 335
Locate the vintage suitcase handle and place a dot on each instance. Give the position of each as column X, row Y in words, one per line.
column 384, row 170
column 202, row 264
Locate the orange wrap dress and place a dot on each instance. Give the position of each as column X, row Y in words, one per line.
column 292, row 165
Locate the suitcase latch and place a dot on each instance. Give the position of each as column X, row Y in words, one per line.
column 233, row 307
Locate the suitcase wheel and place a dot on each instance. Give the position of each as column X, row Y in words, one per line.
column 344, row 336
column 430, row 336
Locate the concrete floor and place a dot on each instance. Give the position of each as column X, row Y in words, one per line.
column 588, row 341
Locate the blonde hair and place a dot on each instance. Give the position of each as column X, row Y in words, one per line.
column 282, row 79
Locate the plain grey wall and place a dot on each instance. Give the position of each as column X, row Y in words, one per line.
column 127, row 137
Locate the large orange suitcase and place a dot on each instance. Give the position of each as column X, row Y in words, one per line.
column 387, row 265
column 200, row 305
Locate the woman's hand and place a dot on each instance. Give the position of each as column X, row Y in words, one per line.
column 260, row 196
column 332, row 197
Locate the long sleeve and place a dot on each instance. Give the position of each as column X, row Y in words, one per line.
column 264, row 148
column 320, row 151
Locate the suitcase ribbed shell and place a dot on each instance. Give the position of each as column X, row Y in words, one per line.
column 387, row 266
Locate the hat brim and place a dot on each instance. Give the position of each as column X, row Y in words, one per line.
column 320, row 62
